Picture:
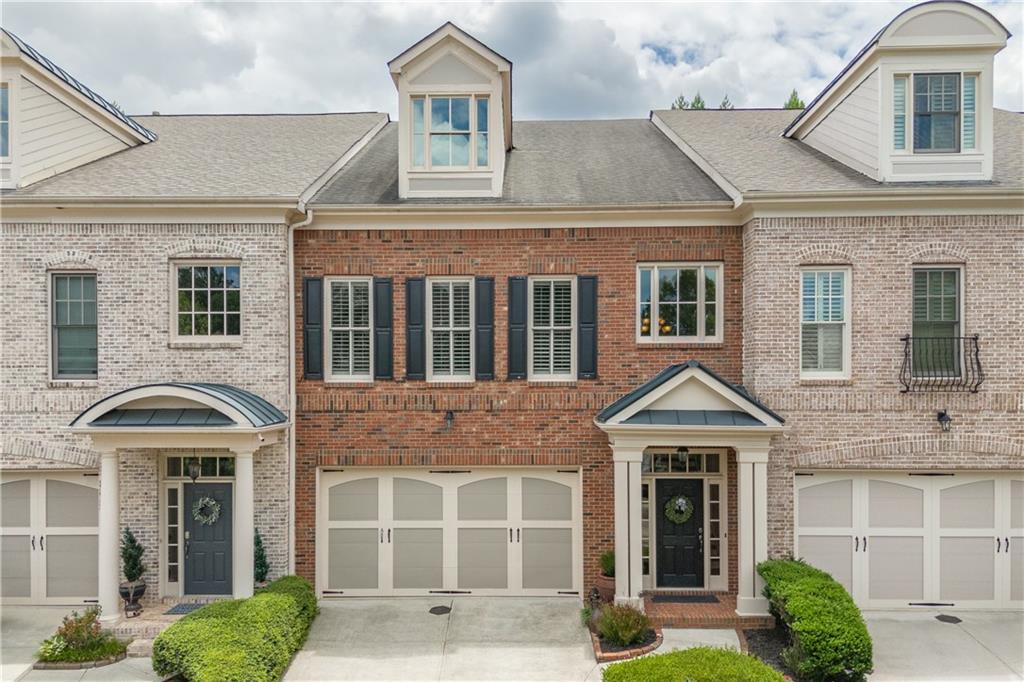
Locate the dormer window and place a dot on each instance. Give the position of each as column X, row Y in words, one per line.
column 5, row 122
column 940, row 115
column 450, row 132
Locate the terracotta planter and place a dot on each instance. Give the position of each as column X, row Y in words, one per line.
column 605, row 587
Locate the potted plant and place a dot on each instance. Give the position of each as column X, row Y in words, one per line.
column 259, row 564
column 606, row 581
column 131, row 564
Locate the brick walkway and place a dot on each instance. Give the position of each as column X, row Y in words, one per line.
column 719, row 615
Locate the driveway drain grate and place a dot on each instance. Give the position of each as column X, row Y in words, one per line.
column 943, row 618
column 440, row 610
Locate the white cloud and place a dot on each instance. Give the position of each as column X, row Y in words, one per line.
column 572, row 60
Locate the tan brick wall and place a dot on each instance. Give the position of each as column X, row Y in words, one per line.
column 866, row 422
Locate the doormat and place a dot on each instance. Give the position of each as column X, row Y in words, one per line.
column 685, row 599
column 183, row 608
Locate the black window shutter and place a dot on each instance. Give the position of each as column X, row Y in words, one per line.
column 415, row 328
column 313, row 327
column 517, row 306
column 382, row 329
column 484, row 328
column 586, row 335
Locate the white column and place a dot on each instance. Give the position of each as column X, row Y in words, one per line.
column 753, row 528
column 628, row 570
column 243, row 527
column 109, row 569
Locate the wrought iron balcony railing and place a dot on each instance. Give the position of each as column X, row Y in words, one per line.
column 949, row 363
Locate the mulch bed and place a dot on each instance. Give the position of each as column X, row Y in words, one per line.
column 768, row 645
column 605, row 652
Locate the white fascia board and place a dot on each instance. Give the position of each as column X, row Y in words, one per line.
column 448, row 30
column 834, row 94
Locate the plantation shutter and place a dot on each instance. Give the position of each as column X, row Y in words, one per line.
column 415, row 328
column 484, row 328
column 822, row 324
column 517, row 313
column 382, row 329
column 313, row 327
column 586, row 317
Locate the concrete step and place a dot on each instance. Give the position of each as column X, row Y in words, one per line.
column 140, row 648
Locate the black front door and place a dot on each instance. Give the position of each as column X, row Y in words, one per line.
column 680, row 546
column 208, row 546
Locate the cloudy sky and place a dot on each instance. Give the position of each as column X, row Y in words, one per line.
column 572, row 60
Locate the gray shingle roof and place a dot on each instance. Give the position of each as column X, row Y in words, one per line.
column 264, row 156
column 620, row 162
column 746, row 147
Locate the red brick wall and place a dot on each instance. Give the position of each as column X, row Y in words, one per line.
column 499, row 422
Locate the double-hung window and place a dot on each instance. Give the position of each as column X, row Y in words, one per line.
column 450, row 132
column 349, row 329
column 208, row 301
column 825, row 323
column 937, row 112
column 552, row 340
column 450, row 321
column 74, row 337
column 5, row 121
column 936, row 325
column 679, row 302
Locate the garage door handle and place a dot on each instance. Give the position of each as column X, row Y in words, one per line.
column 865, row 543
column 41, row 538
column 389, row 536
column 998, row 541
column 510, row 535
column 856, row 543
column 517, row 534
column 34, row 542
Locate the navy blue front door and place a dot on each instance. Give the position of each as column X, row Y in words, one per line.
column 208, row 547
column 680, row 547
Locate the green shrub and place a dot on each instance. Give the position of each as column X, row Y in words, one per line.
column 622, row 625
column 608, row 564
column 829, row 639
column 131, row 556
column 260, row 565
column 700, row 664
column 80, row 639
column 245, row 639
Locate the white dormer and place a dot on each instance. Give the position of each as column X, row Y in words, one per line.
column 455, row 116
column 916, row 103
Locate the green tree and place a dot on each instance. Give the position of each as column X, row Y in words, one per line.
column 794, row 101
column 698, row 102
column 260, row 565
column 131, row 556
column 726, row 104
column 681, row 103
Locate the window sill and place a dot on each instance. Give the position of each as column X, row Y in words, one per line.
column 455, row 383
column 72, row 383
column 554, row 383
column 201, row 345
column 681, row 344
column 349, row 382
column 826, row 381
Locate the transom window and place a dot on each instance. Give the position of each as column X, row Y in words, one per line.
column 209, row 300
column 349, row 330
column 450, row 132
column 679, row 302
column 74, row 336
column 936, row 324
column 552, row 329
column 824, row 323
column 450, row 341
column 209, row 467
column 5, row 121
column 937, row 112
column 680, row 461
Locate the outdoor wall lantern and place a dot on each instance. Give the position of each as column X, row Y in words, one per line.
column 944, row 420
column 449, row 420
column 193, row 469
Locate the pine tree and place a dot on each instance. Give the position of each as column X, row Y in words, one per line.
column 260, row 566
column 726, row 104
column 794, row 101
column 680, row 103
column 131, row 556
column 698, row 102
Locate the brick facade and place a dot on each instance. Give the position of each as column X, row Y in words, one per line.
column 499, row 422
column 133, row 267
column 866, row 422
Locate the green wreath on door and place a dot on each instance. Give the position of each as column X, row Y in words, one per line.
column 679, row 509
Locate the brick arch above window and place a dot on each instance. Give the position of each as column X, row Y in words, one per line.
column 964, row 450
column 825, row 254
column 943, row 252
column 71, row 259
column 197, row 247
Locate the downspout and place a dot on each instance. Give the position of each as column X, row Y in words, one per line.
column 292, row 379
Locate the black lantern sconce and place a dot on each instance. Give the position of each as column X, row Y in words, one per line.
column 944, row 420
column 193, row 468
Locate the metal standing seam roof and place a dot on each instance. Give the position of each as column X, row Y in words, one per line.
column 256, row 410
column 78, row 85
column 694, row 418
column 666, row 374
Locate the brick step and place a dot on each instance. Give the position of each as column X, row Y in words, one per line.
column 714, row 622
column 140, row 648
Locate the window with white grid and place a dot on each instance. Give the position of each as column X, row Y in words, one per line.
column 349, row 330
column 552, row 329
column 450, row 341
column 824, row 323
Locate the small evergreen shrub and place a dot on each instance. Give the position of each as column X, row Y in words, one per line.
column 260, row 565
column 131, row 556
column 699, row 664
column 622, row 625
column 608, row 564
column 79, row 639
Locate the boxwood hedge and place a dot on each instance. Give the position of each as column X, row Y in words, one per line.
column 239, row 640
column 700, row 664
column 828, row 637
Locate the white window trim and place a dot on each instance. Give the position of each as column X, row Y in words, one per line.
column 207, row 339
column 329, row 375
column 961, row 291
column 845, row 373
column 445, row 378
column 655, row 337
column 908, row 130
column 427, row 166
column 542, row 378
column 6, row 158
column 52, row 372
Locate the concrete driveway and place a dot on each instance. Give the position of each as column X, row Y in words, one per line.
column 501, row 638
column 986, row 645
column 22, row 628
